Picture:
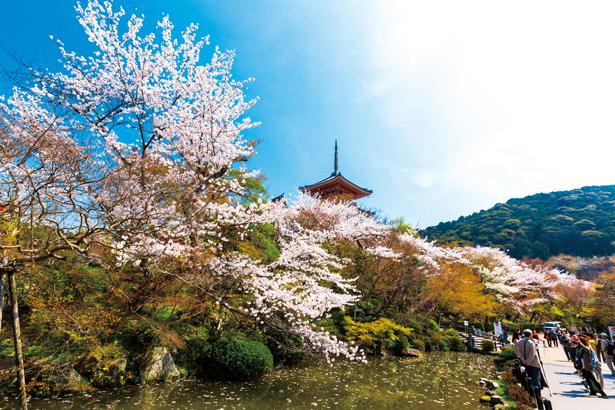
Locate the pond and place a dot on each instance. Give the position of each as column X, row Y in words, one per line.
column 440, row 381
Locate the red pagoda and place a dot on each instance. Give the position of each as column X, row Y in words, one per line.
column 336, row 186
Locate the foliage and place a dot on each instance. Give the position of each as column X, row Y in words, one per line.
column 459, row 291
column 235, row 358
column 104, row 366
column 507, row 356
column 502, row 391
column 286, row 348
column 601, row 310
column 577, row 222
column 487, row 346
column 377, row 337
column 198, row 345
column 517, row 392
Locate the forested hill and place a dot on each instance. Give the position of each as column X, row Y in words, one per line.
column 580, row 222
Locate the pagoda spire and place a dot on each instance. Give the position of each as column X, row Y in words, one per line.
column 336, row 165
column 335, row 186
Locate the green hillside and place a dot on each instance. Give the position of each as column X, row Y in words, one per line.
column 580, row 222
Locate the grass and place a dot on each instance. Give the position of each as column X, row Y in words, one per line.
column 502, row 391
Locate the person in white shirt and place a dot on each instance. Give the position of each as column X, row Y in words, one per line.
column 527, row 352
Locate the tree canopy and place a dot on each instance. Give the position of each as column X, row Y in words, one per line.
column 579, row 222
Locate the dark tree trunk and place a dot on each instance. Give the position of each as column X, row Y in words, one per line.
column 1, row 298
column 21, row 377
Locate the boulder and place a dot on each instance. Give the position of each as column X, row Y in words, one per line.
column 495, row 400
column 409, row 352
column 490, row 384
column 53, row 378
column 66, row 375
column 159, row 366
column 103, row 371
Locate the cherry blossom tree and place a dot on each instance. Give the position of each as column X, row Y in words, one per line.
column 170, row 133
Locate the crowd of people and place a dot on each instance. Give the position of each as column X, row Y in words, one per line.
column 587, row 352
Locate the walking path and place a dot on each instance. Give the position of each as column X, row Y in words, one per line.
column 568, row 391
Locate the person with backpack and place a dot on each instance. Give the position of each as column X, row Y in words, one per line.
column 587, row 362
column 527, row 352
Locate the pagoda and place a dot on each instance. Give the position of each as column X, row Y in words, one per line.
column 336, row 186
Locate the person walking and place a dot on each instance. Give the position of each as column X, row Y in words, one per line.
column 610, row 359
column 527, row 352
column 515, row 338
column 555, row 338
column 565, row 343
column 548, row 337
column 589, row 363
column 603, row 341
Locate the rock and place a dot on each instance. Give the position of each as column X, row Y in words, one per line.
column 490, row 384
column 103, row 371
column 409, row 352
column 489, row 393
column 53, row 378
column 495, row 400
column 68, row 376
column 117, row 368
column 501, row 406
column 160, row 366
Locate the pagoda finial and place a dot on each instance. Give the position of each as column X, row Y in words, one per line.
column 336, row 165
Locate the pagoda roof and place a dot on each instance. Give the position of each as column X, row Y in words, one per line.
column 336, row 185
column 340, row 184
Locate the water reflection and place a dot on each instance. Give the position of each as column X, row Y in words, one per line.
column 442, row 380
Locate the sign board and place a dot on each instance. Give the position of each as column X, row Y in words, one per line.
column 612, row 331
column 466, row 323
column 497, row 328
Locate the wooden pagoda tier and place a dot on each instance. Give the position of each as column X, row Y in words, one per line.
column 336, row 186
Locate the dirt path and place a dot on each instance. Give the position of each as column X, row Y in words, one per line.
column 568, row 391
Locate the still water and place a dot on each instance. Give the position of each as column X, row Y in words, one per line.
column 440, row 381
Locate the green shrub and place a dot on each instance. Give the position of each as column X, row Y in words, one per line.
column 487, row 346
column 453, row 340
column 194, row 355
column 286, row 348
column 378, row 336
column 506, row 356
column 428, row 346
column 420, row 344
column 235, row 358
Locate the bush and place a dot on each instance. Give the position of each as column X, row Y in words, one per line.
column 286, row 348
column 506, row 356
column 378, row 336
column 235, row 358
column 487, row 346
column 195, row 352
column 453, row 340
column 420, row 345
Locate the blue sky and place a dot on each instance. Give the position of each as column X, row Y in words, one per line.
column 441, row 108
